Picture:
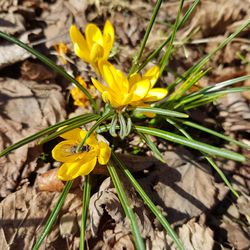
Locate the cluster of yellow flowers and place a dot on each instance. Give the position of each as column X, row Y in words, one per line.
column 117, row 89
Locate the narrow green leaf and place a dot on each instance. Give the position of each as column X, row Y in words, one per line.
column 209, row 159
column 212, row 132
column 206, row 58
column 145, row 38
column 125, row 204
column 123, row 126
column 213, row 88
column 85, row 207
column 158, row 50
column 159, row 111
column 166, row 56
column 46, row 131
column 152, row 146
column 203, row 147
column 50, row 64
column 113, row 126
column 53, row 216
column 69, row 127
column 148, row 202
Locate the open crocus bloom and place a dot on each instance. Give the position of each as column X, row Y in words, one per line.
column 121, row 91
column 95, row 45
column 81, row 163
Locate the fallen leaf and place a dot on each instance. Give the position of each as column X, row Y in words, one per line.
column 49, row 181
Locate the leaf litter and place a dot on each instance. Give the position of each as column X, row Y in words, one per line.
column 186, row 190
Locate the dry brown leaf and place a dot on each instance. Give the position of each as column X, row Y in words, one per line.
column 36, row 72
column 25, row 212
column 213, row 17
column 49, row 181
column 26, row 107
column 10, row 54
column 236, row 112
column 195, row 236
column 237, row 236
column 109, row 225
column 183, row 188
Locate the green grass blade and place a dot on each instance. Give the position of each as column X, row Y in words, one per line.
column 46, row 131
column 206, row 58
column 209, row 159
column 215, row 87
column 186, row 85
column 181, row 23
column 139, row 244
column 69, row 127
column 212, row 96
column 152, row 146
column 85, row 207
column 53, row 216
column 164, row 112
column 145, row 38
column 212, row 132
column 148, row 202
column 166, row 56
column 50, row 64
column 203, row 147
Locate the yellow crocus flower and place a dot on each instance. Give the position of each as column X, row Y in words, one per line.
column 95, row 45
column 81, row 163
column 121, row 91
column 80, row 99
column 62, row 50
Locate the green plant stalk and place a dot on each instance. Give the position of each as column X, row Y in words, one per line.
column 46, row 131
column 148, row 202
column 209, row 159
column 93, row 128
column 212, row 132
column 139, row 244
column 50, row 64
column 157, row 51
column 145, row 38
column 85, row 207
column 66, row 129
column 200, row 146
column 165, row 58
column 205, row 59
column 53, row 216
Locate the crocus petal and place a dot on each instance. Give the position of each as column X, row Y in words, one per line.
column 87, row 167
column 93, row 35
column 109, row 32
column 152, row 75
column 74, row 133
column 65, row 151
column 80, row 45
column 104, row 153
column 134, row 79
column 140, row 90
column 96, row 52
column 100, row 87
column 108, row 38
column 70, row 171
column 155, row 94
